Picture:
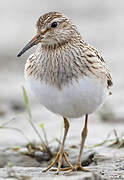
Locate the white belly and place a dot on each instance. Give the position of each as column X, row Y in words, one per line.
column 72, row 101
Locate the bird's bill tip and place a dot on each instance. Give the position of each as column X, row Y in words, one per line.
column 33, row 42
column 19, row 54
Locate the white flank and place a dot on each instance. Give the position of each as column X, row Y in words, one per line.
column 73, row 101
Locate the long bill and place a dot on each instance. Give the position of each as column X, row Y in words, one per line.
column 36, row 39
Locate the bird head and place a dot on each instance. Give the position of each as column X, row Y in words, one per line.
column 53, row 29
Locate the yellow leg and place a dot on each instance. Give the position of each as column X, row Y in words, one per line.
column 61, row 154
column 84, row 135
column 78, row 166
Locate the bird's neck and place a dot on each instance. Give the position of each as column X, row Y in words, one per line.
column 56, row 66
column 54, row 45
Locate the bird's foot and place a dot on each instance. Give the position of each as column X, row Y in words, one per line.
column 59, row 157
column 77, row 167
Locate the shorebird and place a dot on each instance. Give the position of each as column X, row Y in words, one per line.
column 67, row 75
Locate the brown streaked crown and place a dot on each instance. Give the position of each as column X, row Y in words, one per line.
column 48, row 17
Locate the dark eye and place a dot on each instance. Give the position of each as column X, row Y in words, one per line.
column 54, row 24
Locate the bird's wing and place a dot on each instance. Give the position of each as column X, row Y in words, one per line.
column 96, row 64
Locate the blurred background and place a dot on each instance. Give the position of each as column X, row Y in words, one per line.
column 101, row 24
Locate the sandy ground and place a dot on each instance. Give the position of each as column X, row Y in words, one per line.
column 101, row 24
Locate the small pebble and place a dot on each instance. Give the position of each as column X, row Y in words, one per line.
column 42, row 156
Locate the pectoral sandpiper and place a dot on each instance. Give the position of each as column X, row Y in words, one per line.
column 68, row 76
